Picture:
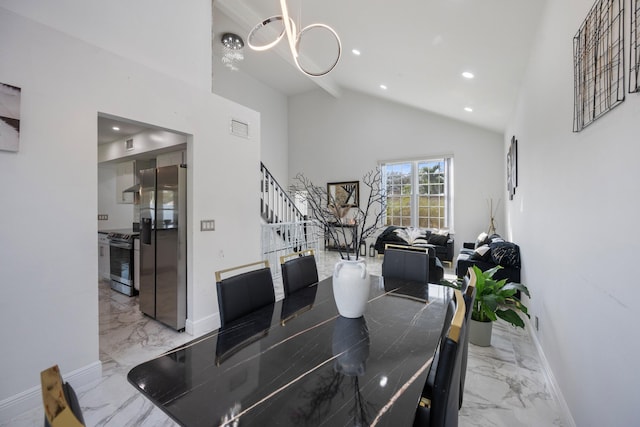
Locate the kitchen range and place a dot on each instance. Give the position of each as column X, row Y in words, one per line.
column 121, row 261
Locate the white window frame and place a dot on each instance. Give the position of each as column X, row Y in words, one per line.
column 414, row 196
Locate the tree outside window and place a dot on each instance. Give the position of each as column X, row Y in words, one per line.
column 418, row 193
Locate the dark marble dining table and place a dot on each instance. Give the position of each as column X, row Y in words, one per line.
column 299, row 363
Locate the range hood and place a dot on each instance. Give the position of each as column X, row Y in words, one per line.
column 139, row 165
column 133, row 189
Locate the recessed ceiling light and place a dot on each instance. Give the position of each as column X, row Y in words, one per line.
column 467, row 75
column 115, row 128
column 355, row 52
column 468, row 109
column 383, row 87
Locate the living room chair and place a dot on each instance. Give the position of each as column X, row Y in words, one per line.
column 469, row 296
column 61, row 406
column 406, row 263
column 299, row 270
column 439, row 404
column 243, row 293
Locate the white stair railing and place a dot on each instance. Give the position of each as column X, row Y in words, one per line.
column 282, row 238
column 275, row 203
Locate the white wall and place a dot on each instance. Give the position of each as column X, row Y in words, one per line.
column 161, row 34
column 336, row 139
column 575, row 217
column 49, row 297
column 273, row 107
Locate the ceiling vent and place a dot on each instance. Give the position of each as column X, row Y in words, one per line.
column 239, row 128
column 128, row 144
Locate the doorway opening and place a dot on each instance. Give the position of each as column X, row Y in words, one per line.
column 125, row 148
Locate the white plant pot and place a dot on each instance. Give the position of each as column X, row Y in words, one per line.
column 480, row 333
column 351, row 287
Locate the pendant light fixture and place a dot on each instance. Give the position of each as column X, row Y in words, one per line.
column 293, row 36
column 232, row 50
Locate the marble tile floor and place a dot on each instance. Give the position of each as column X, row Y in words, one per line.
column 505, row 383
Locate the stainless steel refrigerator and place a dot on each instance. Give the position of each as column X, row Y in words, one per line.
column 163, row 245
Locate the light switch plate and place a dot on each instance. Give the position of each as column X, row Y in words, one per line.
column 207, row 225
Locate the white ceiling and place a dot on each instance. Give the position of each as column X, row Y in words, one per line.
column 417, row 48
column 126, row 128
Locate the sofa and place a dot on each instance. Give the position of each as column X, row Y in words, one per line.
column 487, row 252
column 440, row 240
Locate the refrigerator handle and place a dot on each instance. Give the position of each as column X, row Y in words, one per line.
column 145, row 231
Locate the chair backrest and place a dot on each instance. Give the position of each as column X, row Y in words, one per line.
column 245, row 292
column 469, row 298
column 441, row 407
column 61, row 406
column 299, row 270
column 406, row 263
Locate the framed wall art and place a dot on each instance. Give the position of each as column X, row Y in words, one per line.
column 634, row 44
column 512, row 167
column 9, row 117
column 598, row 63
column 343, row 194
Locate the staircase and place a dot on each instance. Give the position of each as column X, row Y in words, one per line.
column 275, row 203
column 285, row 229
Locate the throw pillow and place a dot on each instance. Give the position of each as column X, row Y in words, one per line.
column 482, row 253
column 506, row 254
column 410, row 234
column 495, row 238
column 482, row 239
column 438, row 239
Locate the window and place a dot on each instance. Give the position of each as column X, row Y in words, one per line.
column 419, row 193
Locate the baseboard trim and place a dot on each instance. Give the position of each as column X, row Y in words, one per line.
column 565, row 412
column 202, row 326
column 32, row 398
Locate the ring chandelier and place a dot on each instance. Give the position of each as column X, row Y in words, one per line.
column 293, row 36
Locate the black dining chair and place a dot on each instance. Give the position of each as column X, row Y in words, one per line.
column 61, row 405
column 469, row 298
column 401, row 262
column 243, row 293
column 299, row 270
column 439, row 405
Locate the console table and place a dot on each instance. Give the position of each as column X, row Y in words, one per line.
column 349, row 236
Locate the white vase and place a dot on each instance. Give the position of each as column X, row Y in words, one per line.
column 351, row 287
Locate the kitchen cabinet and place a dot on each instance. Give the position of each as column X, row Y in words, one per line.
column 103, row 257
column 125, row 178
column 169, row 159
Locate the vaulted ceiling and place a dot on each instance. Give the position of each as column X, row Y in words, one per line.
column 418, row 49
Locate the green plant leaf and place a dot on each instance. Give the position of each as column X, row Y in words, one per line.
column 511, row 317
column 497, row 298
column 489, row 273
column 518, row 287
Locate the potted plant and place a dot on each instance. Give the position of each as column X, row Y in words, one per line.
column 350, row 277
column 494, row 299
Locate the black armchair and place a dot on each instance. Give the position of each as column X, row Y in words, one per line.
column 243, row 293
column 440, row 402
column 406, row 264
column 299, row 271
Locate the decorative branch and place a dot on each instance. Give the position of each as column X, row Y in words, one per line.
column 367, row 217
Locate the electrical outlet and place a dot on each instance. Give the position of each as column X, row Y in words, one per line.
column 536, row 322
column 207, row 225
column 103, row 217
